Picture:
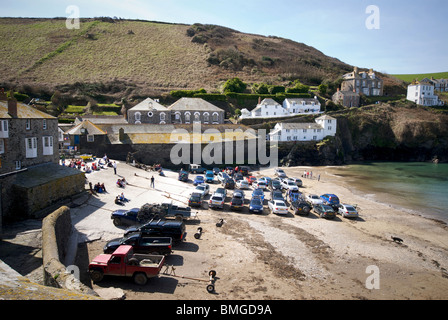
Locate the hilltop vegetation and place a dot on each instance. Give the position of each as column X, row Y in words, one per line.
column 411, row 77
column 109, row 59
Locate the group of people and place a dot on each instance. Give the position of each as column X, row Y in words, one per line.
column 121, row 183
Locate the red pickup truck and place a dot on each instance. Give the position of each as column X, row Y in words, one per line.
column 124, row 262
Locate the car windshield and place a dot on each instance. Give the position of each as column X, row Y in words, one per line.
column 256, row 202
column 195, row 197
column 210, row 174
column 327, row 208
column 280, row 203
column 349, row 208
column 258, row 192
column 200, row 178
column 200, row 188
column 314, row 197
column 217, row 198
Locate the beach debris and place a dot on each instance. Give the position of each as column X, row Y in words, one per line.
column 396, row 239
column 198, row 234
column 220, row 223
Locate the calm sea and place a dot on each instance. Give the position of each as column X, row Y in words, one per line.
column 418, row 187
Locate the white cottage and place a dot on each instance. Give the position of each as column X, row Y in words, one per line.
column 296, row 106
column 422, row 93
column 322, row 127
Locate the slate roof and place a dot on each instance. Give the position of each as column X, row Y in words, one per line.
column 23, row 112
column 148, row 105
column 91, row 129
column 194, row 104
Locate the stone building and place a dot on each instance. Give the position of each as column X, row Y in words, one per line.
column 347, row 99
column 366, row 83
column 31, row 179
column 149, row 111
column 195, row 110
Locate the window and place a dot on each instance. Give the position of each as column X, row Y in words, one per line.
column 187, row 117
column 47, row 143
column 197, row 117
column 2, row 146
column 28, row 124
column 18, row 164
column 31, row 147
column 4, row 129
column 206, row 117
column 90, row 138
column 216, row 117
column 138, row 117
column 162, row 116
column 44, row 124
column 329, row 128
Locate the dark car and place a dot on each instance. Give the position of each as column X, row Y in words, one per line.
column 300, row 207
column 275, row 185
column 161, row 228
column 238, row 176
column 324, row 211
column 145, row 245
column 195, row 200
column 256, row 205
column 125, row 217
column 277, row 195
column 244, row 170
column 228, row 183
column 236, row 203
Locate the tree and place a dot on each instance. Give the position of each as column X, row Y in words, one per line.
column 260, row 88
column 234, row 85
column 322, row 88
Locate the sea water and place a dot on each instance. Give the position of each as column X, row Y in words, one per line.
column 418, row 187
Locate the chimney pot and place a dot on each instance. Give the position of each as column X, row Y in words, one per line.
column 12, row 107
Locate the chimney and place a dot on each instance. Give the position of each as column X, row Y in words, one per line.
column 259, row 100
column 12, row 107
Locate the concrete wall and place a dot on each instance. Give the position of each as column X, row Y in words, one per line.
column 57, row 234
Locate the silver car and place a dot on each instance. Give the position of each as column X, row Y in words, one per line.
column 280, row 173
column 348, row 211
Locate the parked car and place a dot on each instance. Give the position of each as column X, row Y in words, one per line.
column 217, row 201
column 251, row 179
column 203, row 189
column 195, row 200
column 348, row 211
column 147, row 245
column 280, row 173
column 242, row 184
column 161, row 228
column 324, row 211
column 314, row 199
column 216, row 171
column 238, row 177
column 209, row 176
column 300, row 207
column 256, row 205
column 198, row 180
column 221, row 191
column 183, row 176
column 275, row 184
column 278, row 207
column 126, row 217
column 297, row 181
column 258, row 193
column 244, row 170
column 289, row 185
column 236, row 203
column 277, row 195
column 331, row 200
column 229, row 183
column 196, row 168
column 260, row 184
column 222, row 176
column 238, row 193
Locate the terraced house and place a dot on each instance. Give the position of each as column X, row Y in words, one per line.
column 367, row 83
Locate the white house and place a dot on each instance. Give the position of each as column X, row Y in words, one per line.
column 322, row 127
column 302, row 105
column 422, row 93
column 269, row 108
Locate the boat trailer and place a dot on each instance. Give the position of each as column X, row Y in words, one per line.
column 170, row 271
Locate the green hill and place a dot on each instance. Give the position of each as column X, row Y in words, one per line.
column 411, row 77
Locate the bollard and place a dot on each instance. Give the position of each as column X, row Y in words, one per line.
column 198, row 234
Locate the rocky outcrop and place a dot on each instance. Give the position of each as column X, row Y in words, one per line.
column 400, row 131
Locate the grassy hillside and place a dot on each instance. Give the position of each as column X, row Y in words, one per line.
column 128, row 58
column 411, row 77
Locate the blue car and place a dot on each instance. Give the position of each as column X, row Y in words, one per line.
column 209, row 176
column 330, row 199
column 258, row 193
column 125, row 217
column 198, row 180
column 256, row 205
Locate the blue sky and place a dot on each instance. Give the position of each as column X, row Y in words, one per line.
column 411, row 37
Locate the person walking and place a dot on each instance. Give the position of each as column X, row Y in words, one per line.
column 115, row 167
column 152, row 182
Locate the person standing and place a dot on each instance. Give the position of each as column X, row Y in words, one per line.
column 115, row 167
column 152, row 182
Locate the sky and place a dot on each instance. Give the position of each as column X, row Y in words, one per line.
column 392, row 36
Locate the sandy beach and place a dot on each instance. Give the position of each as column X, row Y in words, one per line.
column 270, row 257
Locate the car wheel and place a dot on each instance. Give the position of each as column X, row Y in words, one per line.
column 117, row 222
column 96, row 275
column 140, row 278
